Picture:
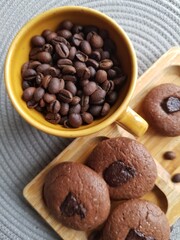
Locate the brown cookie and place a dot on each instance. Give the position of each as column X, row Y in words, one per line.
column 161, row 107
column 136, row 220
column 126, row 166
column 77, row 196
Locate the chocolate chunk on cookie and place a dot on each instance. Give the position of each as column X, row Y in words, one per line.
column 126, row 166
column 136, row 220
column 77, row 196
column 161, row 107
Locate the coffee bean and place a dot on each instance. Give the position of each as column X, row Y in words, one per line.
column 81, row 56
column 69, row 78
column 118, row 173
column 95, row 110
column 50, row 37
column 65, row 96
column 112, row 97
column 64, row 61
column 89, row 88
column 38, row 94
column 54, row 106
column 72, row 53
column 87, row 117
column 101, row 76
column 75, row 100
column 176, row 178
column 96, row 55
column 64, row 109
column 67, row 25
column 77, row 28
column 34, row 52
column 105, row 109
column 29, row 74
column 77, row 39
column 119, row 81
column 169, row 155
column 105, row 55
column 54, row 72
column 37, row 41
column 44, row 57
column 46, row 80
column 28, row 93
column 42, row 103
column 68, row 70
column 98, row 96
column 75, row 120
column 83, row 73
column 111, row 73
column 32, row 104
column 85, row 47
column 93, row 63
column 84, row 103
column 78, row 64
column 39, row 78
column 96, row 41
column 90, row 28
column 49, row 97
column 64, row 33
column 105, row 64
column 83, row 82
column 55, row 85
column 62, row 50
column 46, row 32
column 24, row 67
column 53, row 118
column 92, row 72
column 43, row 68
column 108, row 86
column 59, row 39
column 48, row 48
column 34, row 64
column 75, row 109
column 71, row 87
column 26, row 84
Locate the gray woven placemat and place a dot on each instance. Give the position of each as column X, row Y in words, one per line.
column 152, row 25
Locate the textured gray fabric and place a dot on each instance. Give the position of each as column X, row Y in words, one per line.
column 152, row 25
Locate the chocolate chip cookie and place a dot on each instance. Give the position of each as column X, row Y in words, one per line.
column 136, row 220
column 126, row 166
column 77, row 196
column 162, row 109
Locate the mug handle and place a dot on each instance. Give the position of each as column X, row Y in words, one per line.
column 133, row 122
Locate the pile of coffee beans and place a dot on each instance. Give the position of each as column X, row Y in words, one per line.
column 73, row 75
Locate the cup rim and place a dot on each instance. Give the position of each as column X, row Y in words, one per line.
column 73, row 132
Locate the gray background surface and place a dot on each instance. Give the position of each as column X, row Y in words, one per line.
column 153, row 26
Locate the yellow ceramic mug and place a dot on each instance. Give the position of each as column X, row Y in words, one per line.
column 19, row 51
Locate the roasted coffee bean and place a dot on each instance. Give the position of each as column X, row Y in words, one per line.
column 105, row 55
column 77, row 29
column 49, row 97
column 68, row 70
column 87, row 117
column 54, row 106
column 39, row 78
column 84, row 103
column 90, row 28
column 93, row 63
column 39, row 109
column 33, row 53
column 83, row 82
column 46, row 32
column 75, row 109
column 98, row 96
column 44, row 57
column 119, row 81
column 45, row 81
column 96, row 55
column 105, row 109
column 64, row 109
column 62, row 50
column 71, row 87
column 78, row 64
column 42, row 103
column 89, row 88
column 60, row 39
column 69, row 78
column 96, row 41
column 75, row 120
column 111, row 73
column 29, row 74
column 28, row 93
column 71, row 207
column 64, row 61
column 75, row 100
column 54, row 72
column 85, row 47
column 26, row 84
column 38, row 94
column 169, row 155
column 118, row 173
column 83, row 73
column 112, row 97
column 66, row 25
column 34, row 64
column 176, row 178
column 95, row 110
column 48, row 48
column 43, row 68
column 72, row 53
column 101, row 76
column 37, row 41
column 24, row 67
column 65, row 96
column 63, row 119
column 92, row 72
column 55, row 85
column 81, row 56
column 64, row 33
column 105, row 64
column 50, row 37
column 32, row 104
column 77, row 39
column 53, row 118
column 108, row 86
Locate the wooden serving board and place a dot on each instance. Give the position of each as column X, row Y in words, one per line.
column 165, row 194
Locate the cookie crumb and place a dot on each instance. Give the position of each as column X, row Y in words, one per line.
column 169, row 155
column 176, row 178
